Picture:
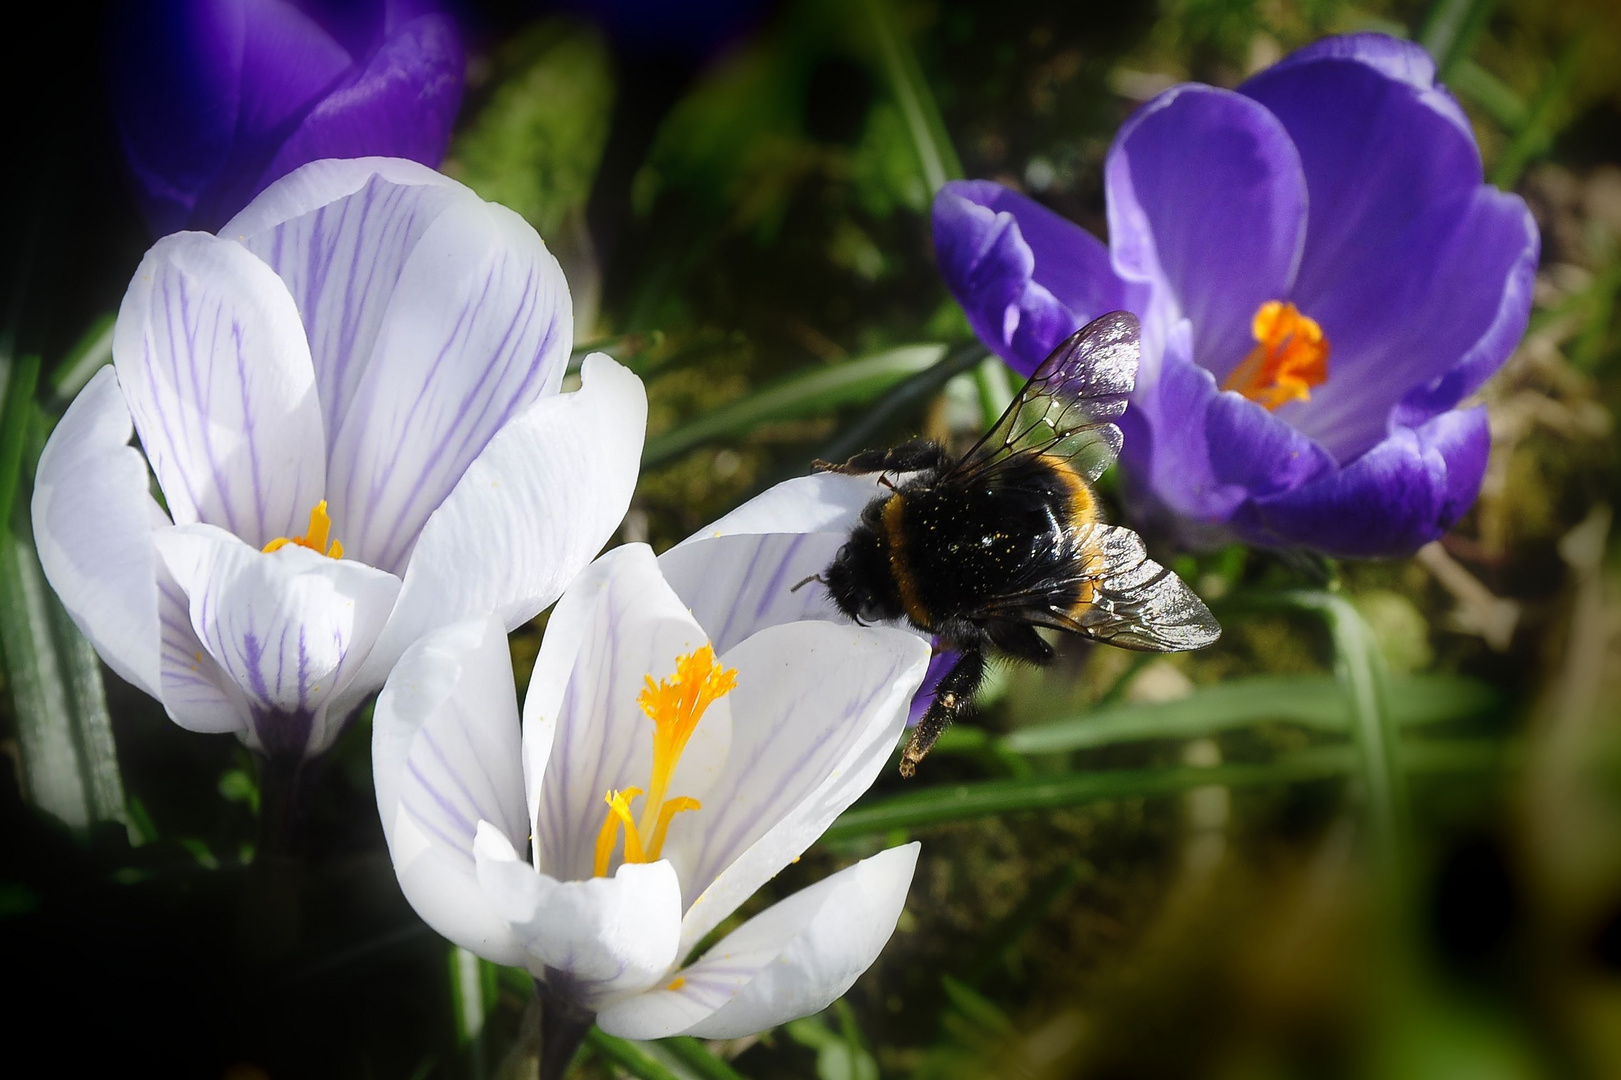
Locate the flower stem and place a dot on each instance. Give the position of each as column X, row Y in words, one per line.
column 563, row 1027
column 270, row 915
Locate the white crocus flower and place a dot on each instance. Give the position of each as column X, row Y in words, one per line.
column 650, row 789
column 349, row 399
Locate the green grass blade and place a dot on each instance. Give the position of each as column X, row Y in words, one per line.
column 86, row 695
column 704, row 1063
column 1360, row 668
column 960, row 802
column 807, row 394
column 1315, row 701
column 630, row 1056
column 88, row 355
column 1450, row 29
column 937, row 158
column 1547, row 113
column 863, row 432
column 16, row 423
column 1473, row 82
column 39, row 695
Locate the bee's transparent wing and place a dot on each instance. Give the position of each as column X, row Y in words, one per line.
column 1136, row 603
column 1068, row 406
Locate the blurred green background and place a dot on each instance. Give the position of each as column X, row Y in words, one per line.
column 1375, row 831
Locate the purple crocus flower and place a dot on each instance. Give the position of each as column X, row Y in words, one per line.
column 1322, row 276
column 216, row 99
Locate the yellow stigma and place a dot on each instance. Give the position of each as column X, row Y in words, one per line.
column 675, row 705
column 315, row 538
column 1290, row 358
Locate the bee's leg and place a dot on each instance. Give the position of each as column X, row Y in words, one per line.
column 954, row 695
column 909, row 456
column 1020, row 641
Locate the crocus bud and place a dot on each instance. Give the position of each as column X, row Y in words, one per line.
column 214, row 100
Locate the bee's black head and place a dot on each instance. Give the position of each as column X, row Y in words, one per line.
column 859, row 579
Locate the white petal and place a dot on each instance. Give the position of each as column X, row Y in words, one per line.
column 478, row 327
column 739, row 584
column 821, row 502
column 588, row 939
column 530, row 512
column 339, row 233
column 618, row 624
column 213, row 363
column 791, row 960
column 445, row 758
column 289, row 628
column 197, row 694
column 93, row 517
column 816, row 713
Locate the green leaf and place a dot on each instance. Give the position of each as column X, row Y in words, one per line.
column 937, row 158
column 50, row 759
column 1315, row 701
column 806, row 394
column 1450, row 29
column 466, row 993
column 697, row 1057
column 633, row 1057
column 1547, row 113
column 959, row 802
column 1473, row 82
column 93, row 350
column 21, row 377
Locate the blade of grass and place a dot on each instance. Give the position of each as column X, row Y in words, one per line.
column 38, row 692
column 697, row 1057
column 995, row 392
column 860, row 435
column 1450, row 29
column 937, row 158
column 93, row 349
column 1315, row 701
column 802, row 395
column 1360, row 668
column 1470, row 80
column 630, row 1056
column 959, row 802
column 1542, row 122
column 16, row 422
column 87, row 701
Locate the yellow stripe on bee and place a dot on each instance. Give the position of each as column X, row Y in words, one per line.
column 899, row 568
column 1083, row 511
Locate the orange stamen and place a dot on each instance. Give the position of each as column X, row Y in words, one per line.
column 1290, row 358
column 675, row 705
column 315, row 538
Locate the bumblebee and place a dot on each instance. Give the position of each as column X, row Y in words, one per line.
column 982, row 550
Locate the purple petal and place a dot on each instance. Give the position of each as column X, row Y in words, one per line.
column 1166, row 449
column 1208, row 203
column 942, row 661
column 204, row 92
column 1252, row 449
column 1401, row 230
column 1394, row 499
column 401, row 105
column 1026, row 277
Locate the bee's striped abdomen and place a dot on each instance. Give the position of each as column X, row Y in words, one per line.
column 900, row 567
